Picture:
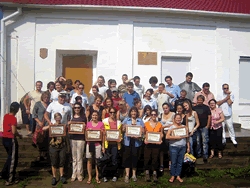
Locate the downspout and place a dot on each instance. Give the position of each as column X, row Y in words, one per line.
column 4, row 65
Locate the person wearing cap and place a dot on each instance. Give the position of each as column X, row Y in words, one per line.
column 33, row 97
column 115, row 97
column 80, row 93
column 61, row 107
column 10, row 144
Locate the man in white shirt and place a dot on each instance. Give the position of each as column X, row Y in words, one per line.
column 138, row 87
column 80, row 93
column 102, row 88
column 162, row 96
column 61, row 107
column 225, row 101
column 33, row 97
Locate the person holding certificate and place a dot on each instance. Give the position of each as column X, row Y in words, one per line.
column 112, row 147
column 77, row 142
column 152, row 150
column 178, row 145
column 166, row 118
column 94, row 147
column 132, row 142
column 215, row 139
column 57, row 151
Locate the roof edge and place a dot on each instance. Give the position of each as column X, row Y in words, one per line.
column 129, row 8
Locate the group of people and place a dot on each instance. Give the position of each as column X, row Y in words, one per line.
column 159, row 109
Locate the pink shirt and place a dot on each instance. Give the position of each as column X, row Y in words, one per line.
column 215, row 116
column 100, row 125
column 207, row 97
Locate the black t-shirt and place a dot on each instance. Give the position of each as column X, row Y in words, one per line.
column 203, row 112
column 78, row 136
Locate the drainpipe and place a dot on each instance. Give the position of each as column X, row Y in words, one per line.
column 4, row 65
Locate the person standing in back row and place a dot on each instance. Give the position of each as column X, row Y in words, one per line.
column 190, row 87
column 100, row 84
column 138, row 87
column 34, row 97
column 225, row 101
column 130, row 95
column 174, row 90
column 208, row 95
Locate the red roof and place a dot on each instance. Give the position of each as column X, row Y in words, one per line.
column 229, row 6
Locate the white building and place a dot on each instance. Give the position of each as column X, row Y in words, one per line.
column 87, row 40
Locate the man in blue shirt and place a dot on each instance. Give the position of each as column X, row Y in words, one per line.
column 173, row 89
column 130, row 94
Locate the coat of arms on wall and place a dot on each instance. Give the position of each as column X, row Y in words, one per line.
column 43, row 53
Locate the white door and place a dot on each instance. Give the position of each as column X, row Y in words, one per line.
column 177, row 68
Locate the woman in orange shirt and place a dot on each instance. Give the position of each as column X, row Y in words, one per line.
column 152, row 150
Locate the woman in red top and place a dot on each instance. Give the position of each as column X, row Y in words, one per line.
column 215, row 138
column 10, row 144
column 108, row 104
column 152, row 150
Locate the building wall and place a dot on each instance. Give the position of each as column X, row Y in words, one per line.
column 214, row 45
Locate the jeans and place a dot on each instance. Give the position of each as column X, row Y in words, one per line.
column 192, row 140
column 177, row 154
column 202, row 137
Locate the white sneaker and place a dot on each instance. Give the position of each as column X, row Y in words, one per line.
column 234, row 141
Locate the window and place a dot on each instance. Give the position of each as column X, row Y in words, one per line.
column 244, row 79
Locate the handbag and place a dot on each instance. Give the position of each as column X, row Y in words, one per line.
column 189, row 158
column 105, row 159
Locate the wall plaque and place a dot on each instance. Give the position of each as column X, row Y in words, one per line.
column 147, row 58
column 43, row 53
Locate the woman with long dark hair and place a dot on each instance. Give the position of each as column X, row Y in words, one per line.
column 95, row 107
column 108, row 104
column 146, row 113
column 138, row 105
column 77, row 143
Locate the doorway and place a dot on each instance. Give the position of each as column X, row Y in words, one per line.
column 79, row 67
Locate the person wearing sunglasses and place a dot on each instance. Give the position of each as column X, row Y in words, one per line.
column 77, row 143
column 80, row 92
column 208, row 95
column 225, row 101
column 112, row 147
column 151, row 151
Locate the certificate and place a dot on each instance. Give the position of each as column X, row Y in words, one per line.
column 153, row 137
column 180, row 131
column 133, row 130
column 94, row 135
column 57, row 130
column 113, row 135
column 76, row 128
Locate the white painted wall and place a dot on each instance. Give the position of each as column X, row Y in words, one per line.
column 213, row 44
